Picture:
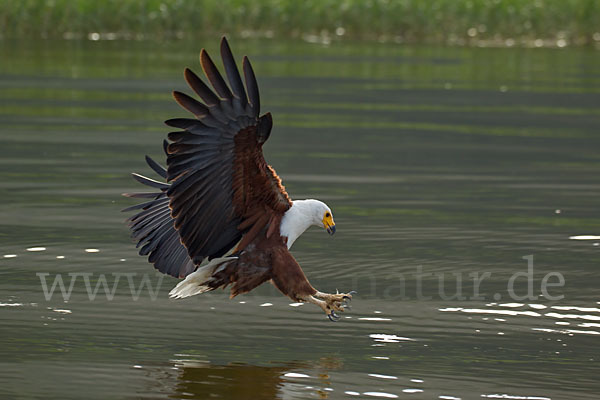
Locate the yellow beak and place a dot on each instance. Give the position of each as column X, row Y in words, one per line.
column 329, row 224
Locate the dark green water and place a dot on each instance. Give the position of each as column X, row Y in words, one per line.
column 440, row 165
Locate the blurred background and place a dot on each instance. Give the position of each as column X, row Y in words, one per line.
column 451, row 138
column 464, row 22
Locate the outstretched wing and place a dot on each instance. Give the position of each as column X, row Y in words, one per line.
column 221, row 189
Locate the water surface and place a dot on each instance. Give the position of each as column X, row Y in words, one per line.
column 440, row 165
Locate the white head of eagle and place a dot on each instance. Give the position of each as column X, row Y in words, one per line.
column 302, row 215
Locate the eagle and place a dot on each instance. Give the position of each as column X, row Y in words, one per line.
column 222, row 217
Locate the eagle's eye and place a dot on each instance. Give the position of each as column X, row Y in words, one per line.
column 327, row 215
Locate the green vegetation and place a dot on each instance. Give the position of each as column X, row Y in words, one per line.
column 456, row 22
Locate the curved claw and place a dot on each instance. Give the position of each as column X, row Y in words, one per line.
column 333, row 317
column 348, row 296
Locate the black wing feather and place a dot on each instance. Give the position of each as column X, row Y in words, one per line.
column 159, row 169
column 200, row 88
column 233, row 75
column 148, row 228
column 252, row 86
column 191, row 104
column 214, row 76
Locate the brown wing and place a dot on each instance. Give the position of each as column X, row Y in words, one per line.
column 222, row 190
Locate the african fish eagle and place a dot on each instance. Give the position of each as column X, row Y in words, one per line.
column 221, row 201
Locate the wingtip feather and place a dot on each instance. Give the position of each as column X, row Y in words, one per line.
column 214, row 76
column 190, row 104
column 156, row 167
column 251, row 85
column 233, row 75
column 200, row 87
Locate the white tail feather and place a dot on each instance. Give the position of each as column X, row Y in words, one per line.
column 197, row 281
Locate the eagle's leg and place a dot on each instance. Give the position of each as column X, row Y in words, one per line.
column 330, row 303
column 289, row 278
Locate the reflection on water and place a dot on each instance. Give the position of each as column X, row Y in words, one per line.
column 442, row 162
column 202, row 380
column 188, row 376
column 229, row 382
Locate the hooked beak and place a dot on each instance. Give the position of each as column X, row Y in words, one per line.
column 328, row 223
column 331, row 229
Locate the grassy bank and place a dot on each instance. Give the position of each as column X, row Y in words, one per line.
column 460, row 22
